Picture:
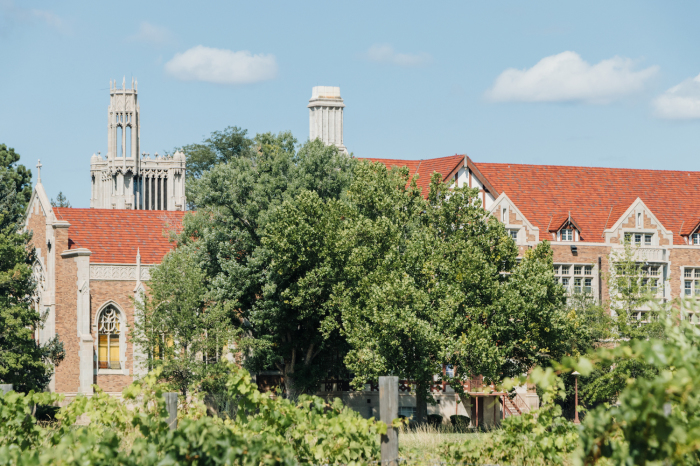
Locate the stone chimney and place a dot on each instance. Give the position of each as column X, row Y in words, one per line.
column 326, row 116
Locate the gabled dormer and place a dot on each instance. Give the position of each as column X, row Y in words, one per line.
column 518, row 226
column 690, row 232
column 563, row 227
column 639, row 226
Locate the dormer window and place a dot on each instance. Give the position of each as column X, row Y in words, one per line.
column 695, row 238
column 567, row 234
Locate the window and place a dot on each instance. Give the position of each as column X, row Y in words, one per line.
column 695, row 239
column 578, row 277
column 504, row 215
column 450, row 371
column 691, row 287
column 637, row 239
column 108, row 339
column 513, row 234
column 407, row 411
column 647, row 240
column 567, row 234
column 639, row 220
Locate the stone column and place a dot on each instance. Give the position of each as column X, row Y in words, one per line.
column 86, row 347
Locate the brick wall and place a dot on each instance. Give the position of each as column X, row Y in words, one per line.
column 679, row 258
column 121, row 292
column 68, row 372
column 36, row 223
column 587, row 255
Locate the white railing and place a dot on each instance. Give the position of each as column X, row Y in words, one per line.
column 645, row 254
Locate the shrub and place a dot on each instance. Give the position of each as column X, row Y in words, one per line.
column 435, row 420
column 460, row 421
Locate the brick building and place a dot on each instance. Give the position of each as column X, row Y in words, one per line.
column 93, row 263
column 586, row 213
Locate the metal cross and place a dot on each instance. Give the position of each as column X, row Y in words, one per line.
column 38, row 168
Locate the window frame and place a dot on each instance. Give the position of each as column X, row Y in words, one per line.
column 115, row 341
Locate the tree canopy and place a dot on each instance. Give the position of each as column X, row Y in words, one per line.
column 23, row 362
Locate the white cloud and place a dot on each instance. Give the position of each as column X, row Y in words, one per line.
column 16, row 13
column 681, row 102
column 221, row 66
column 152, row 34
column 385, row 53
column 566, row 77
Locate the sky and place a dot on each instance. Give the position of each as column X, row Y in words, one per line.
column 599, row 83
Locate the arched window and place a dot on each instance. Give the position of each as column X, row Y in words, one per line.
column 108, row 330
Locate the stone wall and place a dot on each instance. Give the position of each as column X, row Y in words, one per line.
column 68, row 372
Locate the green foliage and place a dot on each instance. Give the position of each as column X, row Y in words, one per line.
column 534, row 438
column 23, row 362
column 182, row 335
column 17, row 425
column 220, row 147
column 16, row 177
column 61, row 201
column 134, row 431
column 657, row 417
column 245, row 278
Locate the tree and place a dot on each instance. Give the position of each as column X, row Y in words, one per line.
column 236, row 202
column 219, row 147
column 180, row 334
column 61, row 201
column 23, row 362
column 634, row 314
column 413, row 283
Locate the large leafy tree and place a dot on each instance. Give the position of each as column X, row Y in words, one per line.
column 236, row 202
column 23, row 362
column 177, row 331
column 413, row 283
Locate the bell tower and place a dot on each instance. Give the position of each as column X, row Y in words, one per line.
column 127, row 179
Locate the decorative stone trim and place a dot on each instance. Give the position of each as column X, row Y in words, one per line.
column 119, row 272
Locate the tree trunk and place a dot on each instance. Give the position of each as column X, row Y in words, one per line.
column 422, row 393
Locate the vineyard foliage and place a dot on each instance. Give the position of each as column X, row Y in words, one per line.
column 103, row 430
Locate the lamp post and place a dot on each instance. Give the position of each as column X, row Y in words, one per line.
column 576, row 374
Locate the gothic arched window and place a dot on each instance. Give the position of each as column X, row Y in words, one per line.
column 108, row 330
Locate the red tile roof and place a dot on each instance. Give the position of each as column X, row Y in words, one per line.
column 114, row 235
column 424, row 168
column 596, row 197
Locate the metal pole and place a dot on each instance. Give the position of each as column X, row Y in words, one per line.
column 171, row 406
column 576, row 421
column 6, row 387
column 388, row 411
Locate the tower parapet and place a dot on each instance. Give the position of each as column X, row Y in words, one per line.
column 127, row 179
column 326, row 116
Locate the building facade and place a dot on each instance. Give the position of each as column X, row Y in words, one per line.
column 586, row 214
column 93, row 264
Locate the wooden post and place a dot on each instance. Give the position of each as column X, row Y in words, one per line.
column 171, row 406
column 388, row 411
column 576, row 374
column 6, row 387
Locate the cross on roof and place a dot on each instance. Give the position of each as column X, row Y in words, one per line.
column 38, row 168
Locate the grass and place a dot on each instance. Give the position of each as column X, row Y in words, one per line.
column 426, row 442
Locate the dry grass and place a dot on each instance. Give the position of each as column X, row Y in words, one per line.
column 427, row 443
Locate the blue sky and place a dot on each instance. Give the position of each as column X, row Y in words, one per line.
column 569, row 83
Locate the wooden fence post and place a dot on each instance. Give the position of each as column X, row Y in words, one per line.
column 388, row 411
column 171, row 406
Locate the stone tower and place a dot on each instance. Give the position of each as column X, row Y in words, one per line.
column 127, row 179
column 326, row 116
